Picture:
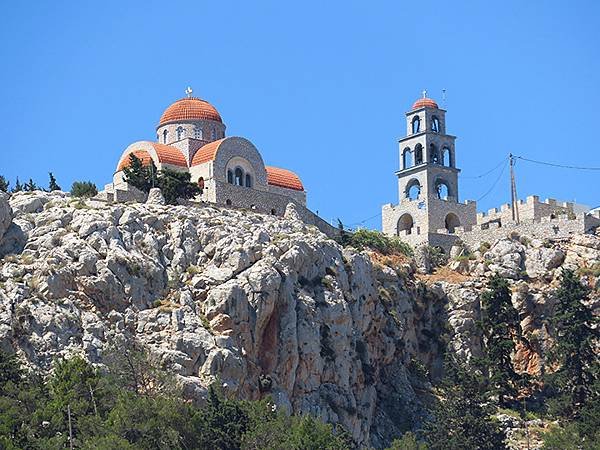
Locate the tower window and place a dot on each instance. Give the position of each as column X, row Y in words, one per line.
column 446, row 156
column 435, row 124
column 418, row 154
column 229, row 176
column 416, row 124
column 406, row 163
column 179, row 133
column 413, row 189
column 442, row 189
column 165, row 137
column 248, row 180
column 197, row 132
column 434, row 156
column 238, row 178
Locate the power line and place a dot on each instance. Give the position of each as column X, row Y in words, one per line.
column 366, row 220
column 495, row 182
column 563, row 166
column 486, row 173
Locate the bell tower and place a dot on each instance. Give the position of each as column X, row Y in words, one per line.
column 427, row 179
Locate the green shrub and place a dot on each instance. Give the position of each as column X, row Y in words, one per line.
column 83, row 189
column 375, row 240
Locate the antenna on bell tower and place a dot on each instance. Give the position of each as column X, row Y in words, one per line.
column 188, row 92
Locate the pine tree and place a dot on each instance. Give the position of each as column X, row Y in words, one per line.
column 18, row 186
column 30, row 186
column 463, row 420
column 83, row 189
column 500, row 325
column 575, row 347
column 140, row 176
column 53, row 185
column 4, row 184
column 174, row 185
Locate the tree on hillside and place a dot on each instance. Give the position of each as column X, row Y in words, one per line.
column 574, row 350
column 500, row 326
column 173, row 184
column 53, row 185
column 462, row 420
column 4, row 184
column 18, row 186
column 30, row 186
column 83, row 189
column 140, row 176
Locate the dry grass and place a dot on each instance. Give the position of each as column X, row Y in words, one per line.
column 444, row 274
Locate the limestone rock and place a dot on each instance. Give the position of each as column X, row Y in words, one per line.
column 6, row 214
column 155, row 197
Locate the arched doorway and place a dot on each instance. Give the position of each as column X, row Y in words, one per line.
column 405, row 224
column 452, row 222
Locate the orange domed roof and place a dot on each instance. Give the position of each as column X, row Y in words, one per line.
column 206, row 153
column 189, row 108
column 166, row 154
column 283, row 178
column 424, row 102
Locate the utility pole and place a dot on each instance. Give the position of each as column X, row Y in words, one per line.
column 70, row 427
column 513, row 190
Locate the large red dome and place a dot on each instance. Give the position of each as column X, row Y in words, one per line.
column 189, row 108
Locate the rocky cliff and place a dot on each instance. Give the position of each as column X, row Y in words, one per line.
column 261, row 304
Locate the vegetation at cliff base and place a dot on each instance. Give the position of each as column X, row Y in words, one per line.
column 132, row 405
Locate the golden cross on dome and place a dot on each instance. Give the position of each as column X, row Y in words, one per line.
column 424, row 93
column 189, row 91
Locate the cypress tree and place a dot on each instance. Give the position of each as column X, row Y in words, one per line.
column 3, row 184
column 18, row 186
column 140, row 176
column 500, row 324
column 53, row 185
column 574, row 350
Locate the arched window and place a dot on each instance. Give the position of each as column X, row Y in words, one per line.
column 273, row 212
column 201, row 182
column 179, row 133
column 197, row 132
column 435, row 124
column 405, row 223
column 434, row 156
column 451, row 222
column 416, row 124
column 229, row 176
column 228, row 202
column 248, row 180
column 446, row 156
column 406, row 162
column 413, row 190
column 418, row 154
column 238, row 178
column 442, row 190
column 165, row 137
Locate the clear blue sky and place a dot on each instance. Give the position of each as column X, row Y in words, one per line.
column 320, row 88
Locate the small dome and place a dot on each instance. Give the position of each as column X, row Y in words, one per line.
column 424, row 103
column 166, row 154
column 283, row 178
column 189, row 108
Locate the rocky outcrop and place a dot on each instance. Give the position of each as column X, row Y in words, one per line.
column 6, row 214
column 265, row 305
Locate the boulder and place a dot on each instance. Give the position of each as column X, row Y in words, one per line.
column 6, row 214
column 155, row 197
